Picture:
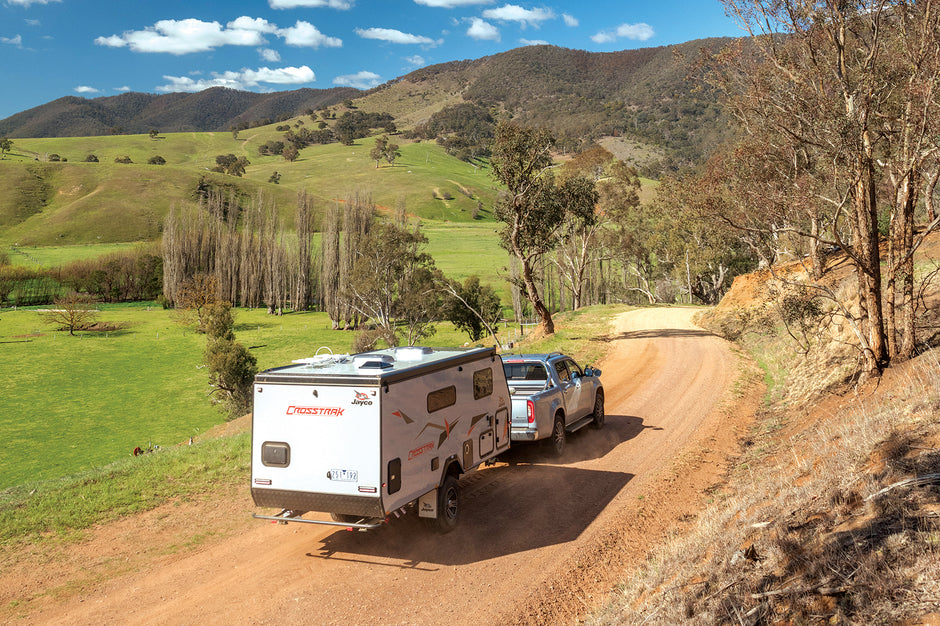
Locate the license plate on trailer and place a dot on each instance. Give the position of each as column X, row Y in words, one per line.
column 342, row 475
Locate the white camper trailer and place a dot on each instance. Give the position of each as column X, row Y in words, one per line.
column 368, row 435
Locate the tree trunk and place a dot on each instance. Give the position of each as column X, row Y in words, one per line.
column 545, row 317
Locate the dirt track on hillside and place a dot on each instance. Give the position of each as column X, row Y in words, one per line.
column 539, row 540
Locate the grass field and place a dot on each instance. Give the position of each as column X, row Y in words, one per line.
column 73, row 403
column 54, row 256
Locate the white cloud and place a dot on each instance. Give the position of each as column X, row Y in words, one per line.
column 252, row 23
column 13, row 41
column 125, row 88
column 359, row 80
column 294, row 4
column 483, row 30
column 515, row 13
column 415, row 60
column 85, row 89
column 533, row 42
column 305, row 34
column 26, row 3
column 570, row 20
column 32, row 22
column 638, row 32
column 451, row 4
column 184, row 37
column 269, row 55
column 394, row 36
column 242, row 80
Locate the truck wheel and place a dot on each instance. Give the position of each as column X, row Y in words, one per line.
column 448, row 506
column 598, row 422
column 344, row 518
column 559, row 438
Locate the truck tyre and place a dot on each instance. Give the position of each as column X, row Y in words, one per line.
column 448, row 506
column 559, row 440
column 598, row 422
column 344, row 518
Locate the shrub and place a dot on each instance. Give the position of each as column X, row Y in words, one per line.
column 156, row 160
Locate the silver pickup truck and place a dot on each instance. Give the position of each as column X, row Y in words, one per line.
column 551, row 397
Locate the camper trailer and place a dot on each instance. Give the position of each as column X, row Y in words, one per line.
column 369, row 435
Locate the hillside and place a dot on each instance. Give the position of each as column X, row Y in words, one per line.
column 77, row 202
column 650, row 95
column 216, row 109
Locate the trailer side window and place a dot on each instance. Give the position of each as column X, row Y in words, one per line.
column 482, row 383
column 442, row 398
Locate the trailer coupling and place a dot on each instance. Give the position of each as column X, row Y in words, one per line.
column 287, row 515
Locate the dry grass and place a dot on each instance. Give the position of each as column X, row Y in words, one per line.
column 801, row 533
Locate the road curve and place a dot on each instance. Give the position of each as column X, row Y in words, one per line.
column 523, row 520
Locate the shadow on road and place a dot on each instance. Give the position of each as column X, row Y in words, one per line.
column 504, row 510
column 660, row 333
column 583, row 445
column 532, row 501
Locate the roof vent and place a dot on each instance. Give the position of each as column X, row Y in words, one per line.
column 373, row 361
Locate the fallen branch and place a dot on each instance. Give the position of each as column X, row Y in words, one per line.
column 926, row 479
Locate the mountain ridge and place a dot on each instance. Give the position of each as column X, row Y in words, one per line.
column 215, row 109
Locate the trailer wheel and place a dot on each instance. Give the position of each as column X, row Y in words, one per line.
column 598, row 411
column 344, row 518
column 448, row 506
column 559, row 440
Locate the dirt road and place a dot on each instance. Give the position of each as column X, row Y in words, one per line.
column 539, row 540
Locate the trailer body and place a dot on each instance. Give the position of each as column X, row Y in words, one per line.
column 366, row 435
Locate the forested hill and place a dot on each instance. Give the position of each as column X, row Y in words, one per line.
column 652, row 95
column 216, row 109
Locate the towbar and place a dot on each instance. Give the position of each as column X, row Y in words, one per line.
column 283, row 518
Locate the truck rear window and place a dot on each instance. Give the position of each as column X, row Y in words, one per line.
column 442, row 398
column 525, row 371
column 482, row 383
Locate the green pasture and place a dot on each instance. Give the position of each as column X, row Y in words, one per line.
column 55, row 256
column 74, row 403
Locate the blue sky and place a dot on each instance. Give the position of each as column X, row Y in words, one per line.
column 94, row 48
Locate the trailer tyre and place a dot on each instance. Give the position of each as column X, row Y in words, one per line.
column 598, row 422
column 344, row 518
column 448, row 506
column 559, row 440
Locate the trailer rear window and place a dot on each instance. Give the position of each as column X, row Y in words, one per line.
column 442, row 398
column 482, row 383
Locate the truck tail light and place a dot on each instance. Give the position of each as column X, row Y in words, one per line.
column 530, row 411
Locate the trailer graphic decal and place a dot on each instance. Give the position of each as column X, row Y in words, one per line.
column 314, row 410
column 402, row 415
column 419, row 451
column 475, row 420
column 445, row 430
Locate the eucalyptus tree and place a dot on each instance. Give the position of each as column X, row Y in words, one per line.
column 534, row 210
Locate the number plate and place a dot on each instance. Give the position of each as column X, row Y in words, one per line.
column 343, row 475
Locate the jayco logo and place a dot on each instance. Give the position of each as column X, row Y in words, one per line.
column 362, row 399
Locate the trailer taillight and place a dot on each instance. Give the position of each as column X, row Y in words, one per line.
column 530, row 411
